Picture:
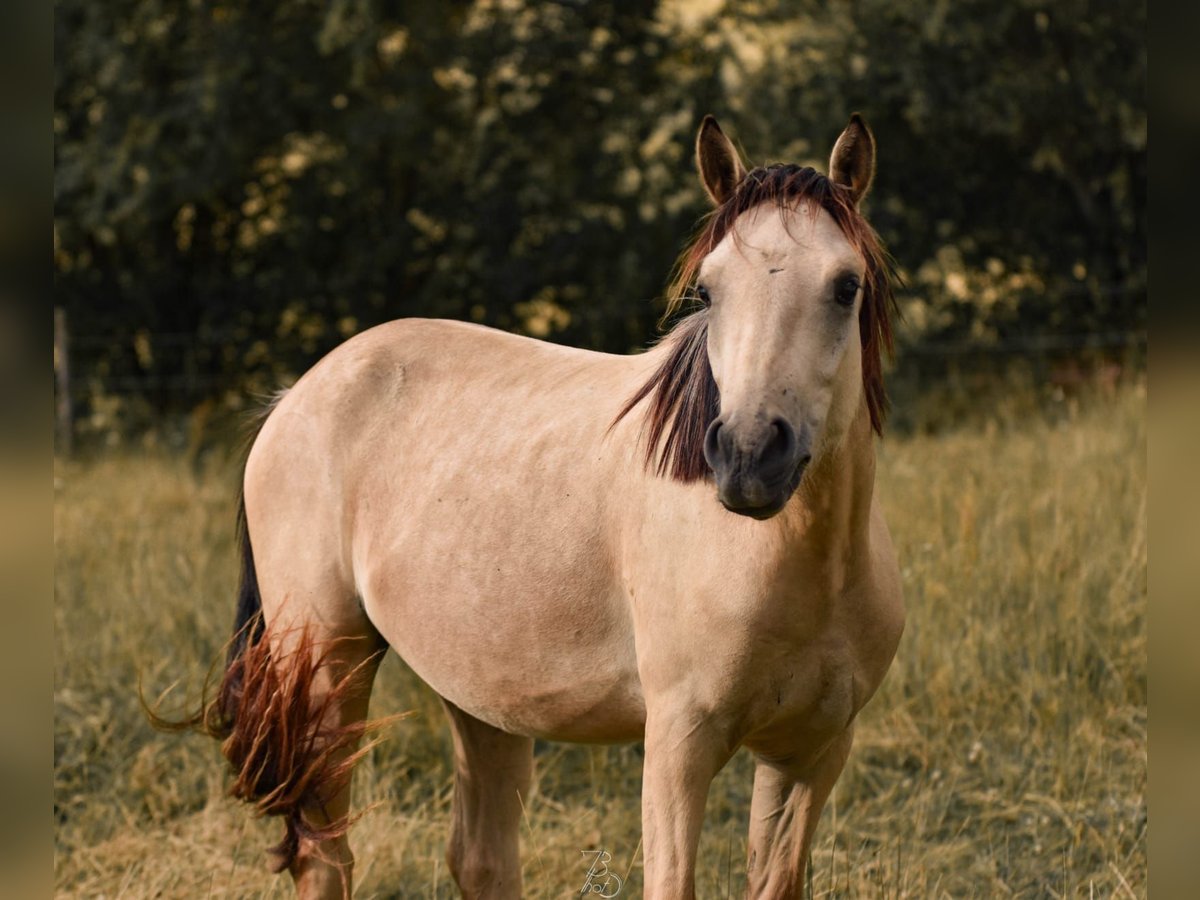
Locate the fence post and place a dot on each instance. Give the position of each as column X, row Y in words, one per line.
column 62, row 382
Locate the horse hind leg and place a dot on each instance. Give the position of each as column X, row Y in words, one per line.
column 292, row 740
column 291, row 712
column 492, row 774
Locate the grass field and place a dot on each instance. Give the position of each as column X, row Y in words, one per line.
column 1005, row 755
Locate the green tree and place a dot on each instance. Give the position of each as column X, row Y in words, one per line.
column 239, row 187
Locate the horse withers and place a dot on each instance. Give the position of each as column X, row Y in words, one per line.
column 681, row 546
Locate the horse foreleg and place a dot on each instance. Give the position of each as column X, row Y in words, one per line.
column 681, row 761
column 492, row 773
column 784, row 811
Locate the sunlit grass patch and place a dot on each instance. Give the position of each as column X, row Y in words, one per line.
column 1004, row 755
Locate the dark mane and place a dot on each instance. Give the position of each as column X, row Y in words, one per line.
column 683, row 395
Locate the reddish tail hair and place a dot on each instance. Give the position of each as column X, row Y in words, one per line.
column 287, row 748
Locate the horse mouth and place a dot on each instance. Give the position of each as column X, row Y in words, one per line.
column 761, row 513
column 757, row 500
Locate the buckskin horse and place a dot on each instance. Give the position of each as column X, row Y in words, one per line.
column 681, row 546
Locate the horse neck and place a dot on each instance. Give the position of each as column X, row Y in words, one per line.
column 830, row 513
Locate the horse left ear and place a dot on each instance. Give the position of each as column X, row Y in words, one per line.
column 852, row 162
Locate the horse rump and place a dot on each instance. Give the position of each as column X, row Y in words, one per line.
column 277, row 715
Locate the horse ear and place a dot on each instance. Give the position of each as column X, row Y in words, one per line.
column 852, row 162
column 717, row 159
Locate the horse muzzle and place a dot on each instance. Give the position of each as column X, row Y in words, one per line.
column 757, row 467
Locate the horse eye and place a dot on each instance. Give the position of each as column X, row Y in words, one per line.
column 846, row 291
column 702, row 293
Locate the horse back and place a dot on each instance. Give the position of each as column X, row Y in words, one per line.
column 460, row 485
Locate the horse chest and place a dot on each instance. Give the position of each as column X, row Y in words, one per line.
column 805, row 699
column 819, row 694
column 817, row 674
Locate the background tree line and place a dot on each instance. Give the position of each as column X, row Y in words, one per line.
column 239, row 187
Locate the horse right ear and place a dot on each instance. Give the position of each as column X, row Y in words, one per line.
column 852, row 163
column 717, row 159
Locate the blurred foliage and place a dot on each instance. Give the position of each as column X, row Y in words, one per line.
column 238, row 187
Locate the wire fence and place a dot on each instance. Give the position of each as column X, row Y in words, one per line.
column 196, row 369
column 191, row 346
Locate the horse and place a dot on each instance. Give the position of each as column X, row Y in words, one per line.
column 680, row 547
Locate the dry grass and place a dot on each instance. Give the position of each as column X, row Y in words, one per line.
column 1004, row 756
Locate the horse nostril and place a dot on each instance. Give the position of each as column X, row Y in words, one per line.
column 712, row 444
column 781, row 445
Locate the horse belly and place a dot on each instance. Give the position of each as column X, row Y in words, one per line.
column 538, row 644
column 478, row 506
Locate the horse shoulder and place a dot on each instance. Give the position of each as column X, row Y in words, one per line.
column 886, row 574
column 880, row 612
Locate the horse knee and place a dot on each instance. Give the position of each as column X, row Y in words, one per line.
column 478, row 875
column 471, row 877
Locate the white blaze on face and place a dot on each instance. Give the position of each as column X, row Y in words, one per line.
column 780, row 342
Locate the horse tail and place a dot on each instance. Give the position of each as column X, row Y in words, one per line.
column 247, row 624
column 276, row 714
